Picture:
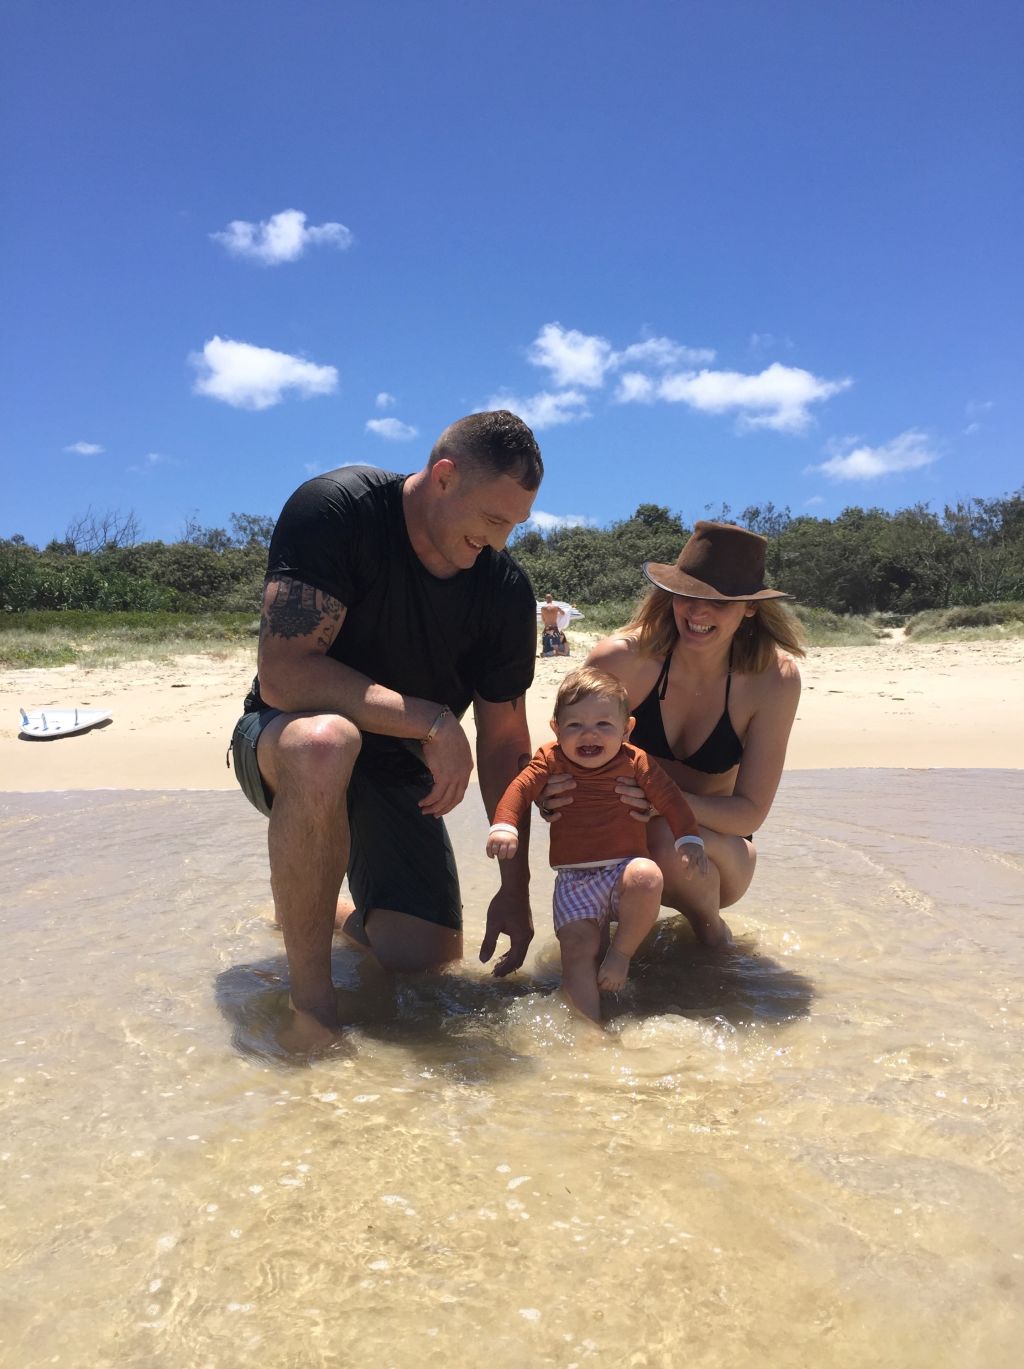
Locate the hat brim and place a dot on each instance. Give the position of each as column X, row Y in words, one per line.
column 675, row 581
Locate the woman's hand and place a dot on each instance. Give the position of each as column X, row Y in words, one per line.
column 557, row 793
column 640, row 807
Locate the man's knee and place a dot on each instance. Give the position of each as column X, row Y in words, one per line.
column 314, row 751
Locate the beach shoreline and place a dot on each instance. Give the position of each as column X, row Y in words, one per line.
column 892, row 705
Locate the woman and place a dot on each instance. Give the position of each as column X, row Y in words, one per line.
column 707, row 662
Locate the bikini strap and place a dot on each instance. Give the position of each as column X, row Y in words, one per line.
column 728, row 678
column 662, row 684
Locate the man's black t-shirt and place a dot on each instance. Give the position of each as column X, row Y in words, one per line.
column 344, row 533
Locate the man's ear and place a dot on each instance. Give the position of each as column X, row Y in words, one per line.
column 443, row 473
column 553, row 724
column 630, row 724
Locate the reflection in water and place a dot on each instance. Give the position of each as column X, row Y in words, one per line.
column 804, row 1151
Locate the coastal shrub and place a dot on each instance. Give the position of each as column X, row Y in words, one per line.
column 824, row 628
column 937, row 621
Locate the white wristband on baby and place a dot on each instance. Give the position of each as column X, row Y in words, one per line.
column 503, row 827
column 690, row 841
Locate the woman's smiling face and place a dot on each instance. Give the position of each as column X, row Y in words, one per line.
column 704, row 623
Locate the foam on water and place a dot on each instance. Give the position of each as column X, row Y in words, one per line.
column 805, row 1151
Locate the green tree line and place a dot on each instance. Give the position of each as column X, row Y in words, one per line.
column 862, row 561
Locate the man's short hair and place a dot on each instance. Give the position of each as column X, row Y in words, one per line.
column 493, row 443
column 588, row 683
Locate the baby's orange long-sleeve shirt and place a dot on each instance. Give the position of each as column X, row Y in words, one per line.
column 596, row 826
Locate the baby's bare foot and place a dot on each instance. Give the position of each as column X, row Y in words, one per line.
column 614, row 971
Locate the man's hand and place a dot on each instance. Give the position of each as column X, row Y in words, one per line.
column 449, row 758
column 508, row 915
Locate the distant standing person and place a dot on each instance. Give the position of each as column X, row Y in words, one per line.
column 708, row 662
column 390, row 607
column 553, row 640
column 605, row 874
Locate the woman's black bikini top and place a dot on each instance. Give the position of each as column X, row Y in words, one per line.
column 719, row 753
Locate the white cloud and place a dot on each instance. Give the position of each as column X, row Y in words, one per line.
column 908, row 452
column 249, row 377
column 85, row 448
column 573, row 358
column 385, row 401
column 391, row 428
column 768, row 342
column 778, row 397
column 658, row 368
column 546, row 521
column 544, row 410
column 814, row 501
column 635, row 388
column 152, row 459
column 282, row 237
column 974, row 410
column 661, row 353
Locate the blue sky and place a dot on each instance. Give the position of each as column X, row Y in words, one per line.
column 730, row 252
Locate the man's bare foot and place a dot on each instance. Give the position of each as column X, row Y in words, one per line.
column 614, row 971
column 304, row 1034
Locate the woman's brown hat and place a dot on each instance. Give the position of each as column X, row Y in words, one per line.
column 720, row 561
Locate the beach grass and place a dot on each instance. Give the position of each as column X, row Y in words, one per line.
column 995, row 622
column 88, row 638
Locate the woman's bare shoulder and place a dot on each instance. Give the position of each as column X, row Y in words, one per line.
column 778, row 687
column 619, row 655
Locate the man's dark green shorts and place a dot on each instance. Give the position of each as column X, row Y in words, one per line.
column 398, row 858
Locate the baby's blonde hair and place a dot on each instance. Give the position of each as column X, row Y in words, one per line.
column 588, row 683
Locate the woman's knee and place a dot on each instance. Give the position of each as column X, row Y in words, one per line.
column 737, row 876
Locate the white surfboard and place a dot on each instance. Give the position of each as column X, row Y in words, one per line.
column 60, row 722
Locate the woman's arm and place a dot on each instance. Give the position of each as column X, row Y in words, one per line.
column 764, row 755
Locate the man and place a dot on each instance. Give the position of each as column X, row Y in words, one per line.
column 390, row 606
column 553, row 640
column 549, row 612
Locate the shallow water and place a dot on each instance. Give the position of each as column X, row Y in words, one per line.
column 805, row 1152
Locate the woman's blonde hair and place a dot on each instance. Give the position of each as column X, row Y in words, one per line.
column 771, row 629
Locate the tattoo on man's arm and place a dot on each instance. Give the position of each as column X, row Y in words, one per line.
column 298, row 610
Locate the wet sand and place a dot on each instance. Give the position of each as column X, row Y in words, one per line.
column 804, row 1152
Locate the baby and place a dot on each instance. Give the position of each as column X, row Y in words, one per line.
column 604, row 871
